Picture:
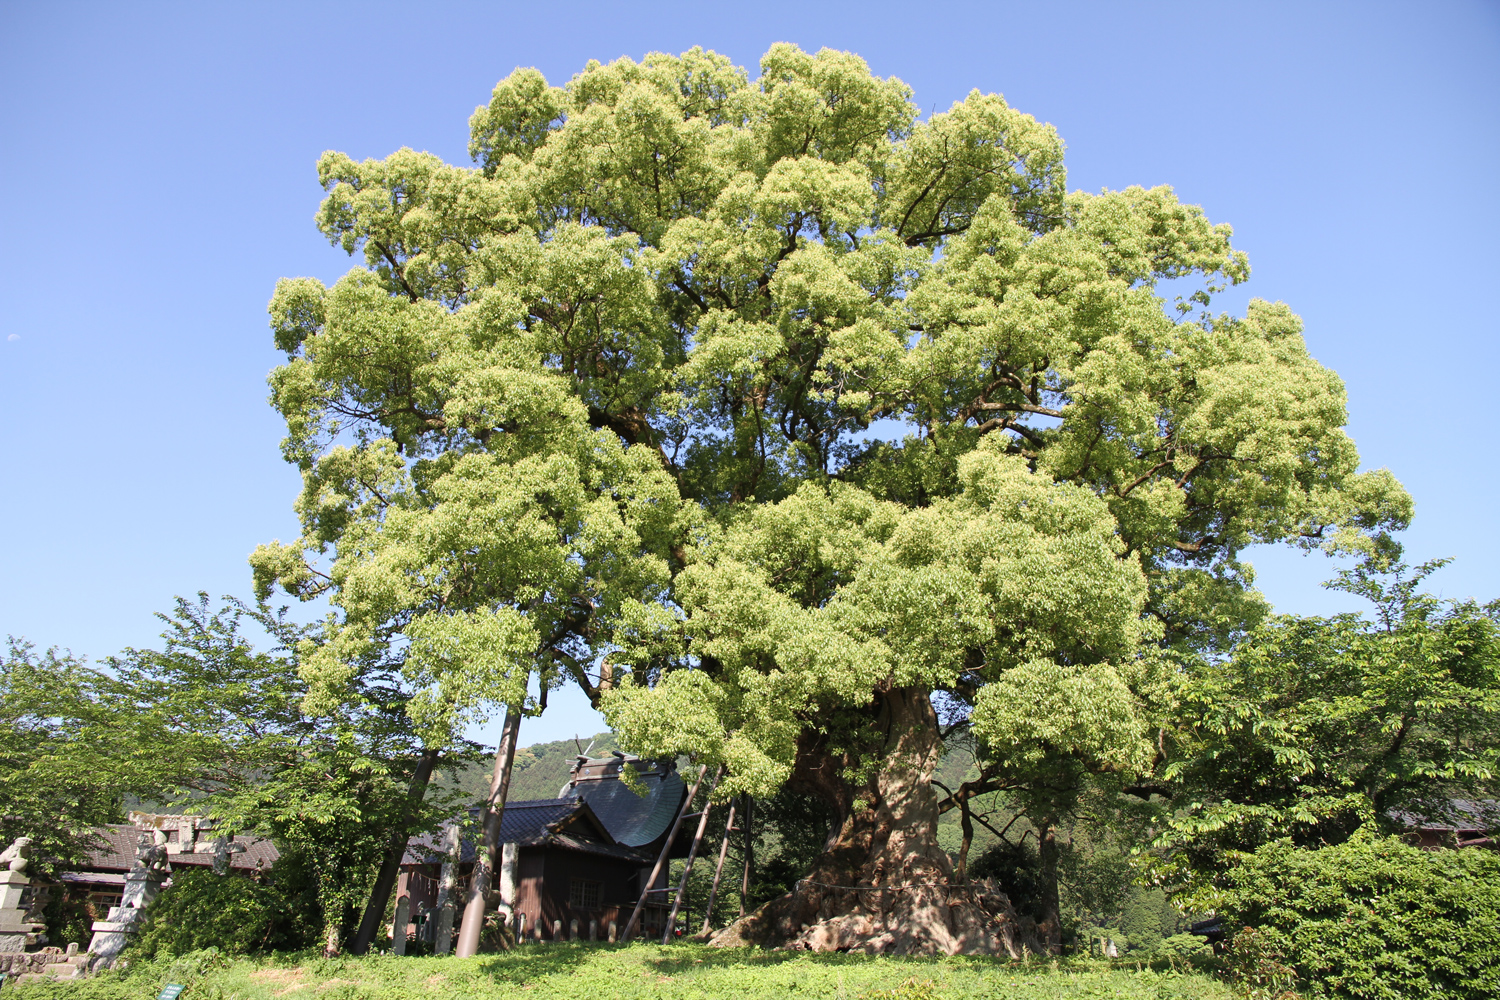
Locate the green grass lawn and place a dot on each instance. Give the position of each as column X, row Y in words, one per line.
column 597, row 972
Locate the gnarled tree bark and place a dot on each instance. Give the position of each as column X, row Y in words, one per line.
column 882, row 883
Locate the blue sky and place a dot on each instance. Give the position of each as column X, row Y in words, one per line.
column 157, row 168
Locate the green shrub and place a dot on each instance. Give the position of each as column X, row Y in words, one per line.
column 1184, row 947
column 1017, row 870
column 1141, row 920
column 231, row 913
column 1374, row 918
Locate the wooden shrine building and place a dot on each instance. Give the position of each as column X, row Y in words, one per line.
column 582, row 856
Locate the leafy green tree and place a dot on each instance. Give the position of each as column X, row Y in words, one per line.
column 56, row 807
column 1317, row 727
column 234, row 914
column 1141, row 919
column 597, row 410
column 213, row 726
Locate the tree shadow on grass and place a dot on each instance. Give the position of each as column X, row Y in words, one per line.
column 534, row 961
column 683, row 958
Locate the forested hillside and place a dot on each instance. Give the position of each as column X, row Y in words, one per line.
column 540, row 770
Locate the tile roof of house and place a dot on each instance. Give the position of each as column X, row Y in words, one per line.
column 634, row 820
column 1455, row 815
column 566, row 823
column 114, row 845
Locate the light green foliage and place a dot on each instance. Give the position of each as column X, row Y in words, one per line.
column 198, row 717
column 1314, row 727
column 42, row 794
column 637, row 972
column 594, row 409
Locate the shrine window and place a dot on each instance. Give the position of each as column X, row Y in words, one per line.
column 584, row 893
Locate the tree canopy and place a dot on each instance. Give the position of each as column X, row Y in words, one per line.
column 619, row 405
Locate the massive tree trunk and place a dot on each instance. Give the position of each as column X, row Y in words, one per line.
column 882, row 883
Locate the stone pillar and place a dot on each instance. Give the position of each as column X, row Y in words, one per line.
column 16, row 932
column 557, row 930
column 509, row 860
column 573, row 929
column 443, row 940
column 141, row 887
column 398, row 928
column 593, row 930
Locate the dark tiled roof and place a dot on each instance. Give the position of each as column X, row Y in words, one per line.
column 1455, row 815
column 633, row 820
column 585, row 846
column 528, row 822
column 114, row 850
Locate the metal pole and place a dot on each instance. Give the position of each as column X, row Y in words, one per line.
column 635, row 915
column 687, row 868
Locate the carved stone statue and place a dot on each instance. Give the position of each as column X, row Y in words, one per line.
column 151, row 854
column 17, row 930
column 17, row 854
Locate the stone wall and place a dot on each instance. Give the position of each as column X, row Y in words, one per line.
column 18, row 962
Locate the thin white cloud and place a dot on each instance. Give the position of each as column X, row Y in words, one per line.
column 14, row 336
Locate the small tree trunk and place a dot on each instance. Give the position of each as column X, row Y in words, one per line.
column 488, row 856
column 966, row 824
column 1049, row 927
column 390, row 868
column 687, row 868
column 332, row 931
column 882, row 884
column 661, row 860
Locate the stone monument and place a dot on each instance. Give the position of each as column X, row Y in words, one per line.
column 141, row 886
column 221, row 848
column 398, row 927
column 442, row 939
column 16, row 932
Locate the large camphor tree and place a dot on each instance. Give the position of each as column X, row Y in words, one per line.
column 603, row 410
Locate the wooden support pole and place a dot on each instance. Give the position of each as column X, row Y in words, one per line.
column 713, row 890
column 687, row 868
column 749, row 853
column 640, row 904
